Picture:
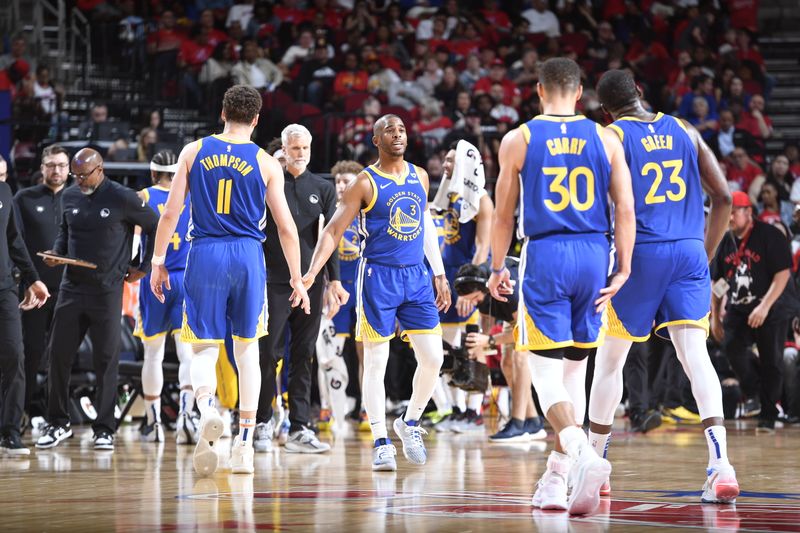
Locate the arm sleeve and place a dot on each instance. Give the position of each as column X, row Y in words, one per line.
column 332, row 266
column 138, row 213
column 431, row 245
column 18, row 252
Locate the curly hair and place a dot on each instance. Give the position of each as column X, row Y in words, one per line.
column 346, row 167
column 617, row 89
column 560, row 74
column 241, row 104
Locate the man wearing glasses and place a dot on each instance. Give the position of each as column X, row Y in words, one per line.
column 38, row 211
column 96, row 225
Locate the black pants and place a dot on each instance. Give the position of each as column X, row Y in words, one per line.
column 75, row 314
column 12, row 369
column 769, row 338
column 303, row 329
column 35, row 332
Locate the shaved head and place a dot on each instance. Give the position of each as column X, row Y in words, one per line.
column 87, row 167
column 85, row 159
column 381, row 123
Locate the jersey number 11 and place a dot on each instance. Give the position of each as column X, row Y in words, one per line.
column 224, row 197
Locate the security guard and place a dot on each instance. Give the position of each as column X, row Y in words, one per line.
column 97, row 222
column 38, row 211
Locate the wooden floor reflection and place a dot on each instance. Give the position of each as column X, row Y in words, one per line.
column 467, row 485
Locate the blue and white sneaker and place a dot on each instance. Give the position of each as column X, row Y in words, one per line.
column 535, row 428
column 514, row 431
column 383, row 456
column 413, row 447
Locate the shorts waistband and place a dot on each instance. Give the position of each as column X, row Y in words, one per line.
column 598, row 237
column 226, row 239
column 379, row 263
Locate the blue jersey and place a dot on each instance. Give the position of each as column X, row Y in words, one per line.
column 228, row 191
column 349, row 252
column 459, row 239
column 565, row 178
column 156, row 198
column 391, row 225
column 666, row 179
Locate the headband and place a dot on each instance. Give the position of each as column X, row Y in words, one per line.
column 170, row 169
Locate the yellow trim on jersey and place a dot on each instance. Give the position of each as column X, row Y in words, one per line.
column 146, row 194
column 586, row 345
column 250, row 339
column 227, row 380
column 634, row 119
column 188, row 336
column 681, row 124
column 139, row 333
column 617, row 329
column 702, row 323
column 345, row 335
column 550, row 118
column 526, row 133
column 368, row 333
column 371, row 203
column 160, row 188
column 232, row 141
column 536, row 340
column 404, row 335
column 474, row 318
column 199, row 143
column 398, row 180
column 616, row 129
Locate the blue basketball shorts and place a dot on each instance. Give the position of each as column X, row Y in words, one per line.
column 344, row 319
column 386, row 294
column 560, row 279
column 225, row 280
column 669, row 285
column 154, row 318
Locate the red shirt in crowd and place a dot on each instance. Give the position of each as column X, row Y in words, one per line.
column 749, row 123
column 165, row 40
column 744, row 14
column 497, row 19
column 743, row 176
column 290, row 15
column 194, row 54
column 510, row 89
column 440, row 123
column 770, row 217
column 349, row 81
column 215, row 37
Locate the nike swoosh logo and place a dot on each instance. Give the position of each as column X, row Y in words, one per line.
column 385, row 185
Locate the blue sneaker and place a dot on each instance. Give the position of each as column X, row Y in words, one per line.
column 514, row 431
column 413, row 447
column 535, row 428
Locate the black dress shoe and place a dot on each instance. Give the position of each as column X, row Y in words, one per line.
column 644, row 422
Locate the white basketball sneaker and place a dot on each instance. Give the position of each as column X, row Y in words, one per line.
column 551, row 490
column 721, row 485
column 586, row 477
column 205, row 459
column 241, row 457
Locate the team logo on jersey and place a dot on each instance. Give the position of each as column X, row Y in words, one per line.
column 314, row 199
column 451, row 226
column 104, row 212
column 349, row 245
column 405, row 216
column 39, row 209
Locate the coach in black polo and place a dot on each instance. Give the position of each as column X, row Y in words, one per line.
column 97, row 221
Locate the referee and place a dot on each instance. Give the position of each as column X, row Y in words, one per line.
column 12, row 372
column 97, row 221
column 309, row 197
column 38, row 211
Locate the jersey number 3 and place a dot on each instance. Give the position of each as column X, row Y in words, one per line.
column 224, row 197
column 675, row 165
column 568, row 194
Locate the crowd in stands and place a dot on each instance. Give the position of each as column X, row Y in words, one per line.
column 451, row 69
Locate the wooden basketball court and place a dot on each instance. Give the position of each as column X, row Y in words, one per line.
column 467, row 485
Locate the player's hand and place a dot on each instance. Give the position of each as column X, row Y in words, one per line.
column 308, row 280
column 338, row 292
column 159, row 277
column 36, row 296
column 717, row 330
column 615, row 283
column 299, row 297
column 49, row 261
column 134, row 274
column 500, row 284
column 476, row 340
column 758, row 316
column 331, row 302
column 442, row 293
column 464, row 306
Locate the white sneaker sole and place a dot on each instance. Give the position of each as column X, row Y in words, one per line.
column 386, row 467
column 585, row 496
column 262, row 448
column 64, row 437
column 294, row 448
column 205, row 459
column 519, row 438
column 245, row 468
column 16, row 452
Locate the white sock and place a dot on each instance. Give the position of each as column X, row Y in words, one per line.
column 430, row 354
column 373, row 392
column 459, row 398
column 246, row 356
column 187, row 401
column 717, row 440
column 607, row 386
column 246, row 430
column 204, row 375
column 599, row 442
column 503, row 402
column 475, row 402
column 690, row 345
column 573, row 441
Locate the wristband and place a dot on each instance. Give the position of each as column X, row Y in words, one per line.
column 499, row 270
column 158, row 260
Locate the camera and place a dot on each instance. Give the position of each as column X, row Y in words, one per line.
column 466, row 374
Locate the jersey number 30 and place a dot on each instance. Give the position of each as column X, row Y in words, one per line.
column 224, row 197
column 568, row 193
column 675, row 166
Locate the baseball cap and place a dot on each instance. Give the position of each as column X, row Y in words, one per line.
column 741, row 199
column 497, row 62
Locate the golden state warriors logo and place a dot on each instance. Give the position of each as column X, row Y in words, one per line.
column 405, row 216
column 349, row 245
column 451, row 226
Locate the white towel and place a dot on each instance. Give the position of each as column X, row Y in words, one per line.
column 468, row 180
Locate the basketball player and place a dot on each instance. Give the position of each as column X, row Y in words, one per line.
column 463, row 243
column 156, row 320
column 560, row 168
column 228, row 178
column 397, row 233
column 670, row 280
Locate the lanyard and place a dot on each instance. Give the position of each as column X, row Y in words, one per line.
column 740, row 252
